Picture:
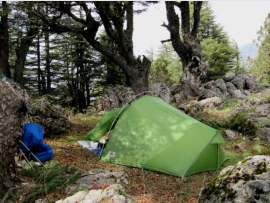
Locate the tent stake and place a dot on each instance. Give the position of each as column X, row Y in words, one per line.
column 32, row 154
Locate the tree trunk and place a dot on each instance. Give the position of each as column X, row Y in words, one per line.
column 188, row 47
column 22, row 50
column 4, row 39
column 12, row 118
column 47, row 57
column 137, row 75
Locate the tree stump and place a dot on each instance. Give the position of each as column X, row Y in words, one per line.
column 14, row 103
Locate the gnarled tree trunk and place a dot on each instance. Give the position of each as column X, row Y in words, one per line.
column 14, row 103
column 188, row 48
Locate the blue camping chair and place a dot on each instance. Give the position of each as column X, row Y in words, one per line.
column 33, row 139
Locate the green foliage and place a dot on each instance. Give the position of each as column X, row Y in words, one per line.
column 260, row 65
column 167, row 67
column 50, row 180
column 237, row 121
column 217, row 49
column 113, row 75
column 214, row 123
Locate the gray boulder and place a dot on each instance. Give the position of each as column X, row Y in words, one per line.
column 229, row 76
column 246, row 81
column 50, row 115
column 177, row 98
column 220, row 84
column 264, row 134
column 238, row 94
column 265, row 121
column 175, row 89
column 126, row 95
column 266, row 91
column 230, row 135
column 230, row 88
column 110, row 99
column 262, row 110
column 211, row 103
column 98, row 105
column 193, row 108
column 90, row 110
column 161, row 90
column 247, row 181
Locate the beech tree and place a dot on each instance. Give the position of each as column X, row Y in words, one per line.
column 117, row 19
column 187, row 46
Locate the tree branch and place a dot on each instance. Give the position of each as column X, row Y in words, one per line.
column 166, row 40
column 196, row 16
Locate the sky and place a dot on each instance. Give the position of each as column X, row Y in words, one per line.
column 241, row 20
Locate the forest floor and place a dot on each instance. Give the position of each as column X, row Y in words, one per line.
column 144, row 185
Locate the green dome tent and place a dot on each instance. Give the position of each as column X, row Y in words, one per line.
column 152, row 134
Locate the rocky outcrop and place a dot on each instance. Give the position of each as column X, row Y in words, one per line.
column 247, row 181
column 264, row 134
column 110, row 99
column 161, row 90
column 194, row 107
column 231, row 86
column 99, row 185
column 125, row 95
column 50, row 115
column 114, row 194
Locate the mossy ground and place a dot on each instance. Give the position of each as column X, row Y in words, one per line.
column 144, row 185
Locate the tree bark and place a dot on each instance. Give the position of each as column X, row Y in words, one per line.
column 4, row 39
column 22, row 49
column 14, row 103
column 188, row 48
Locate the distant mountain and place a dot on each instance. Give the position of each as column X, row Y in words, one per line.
column 249, row 49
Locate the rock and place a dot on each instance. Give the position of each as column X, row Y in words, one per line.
column 50, row 115
column 239, row 146
column 126, row 95
column 98, row 105
column 229, row 76
column 266, row 86
column 90, row 110
column 266, row 91
column 175, row 89
column 211, row 102
column 161, row 90
column 247, row 181
column 103, row 177
column 264, row 121
column 238, row 94
column 192, row 108
column 110, row 99
column 176, row 98
column 264, row 134
column 266, row 100
column 110, row 194
column 246, row 92
column 262, row 110
column 220, row 84
column 246, row 81
column 79, row 196
column 230, row 135
column 251, row 102
column 230, row 88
